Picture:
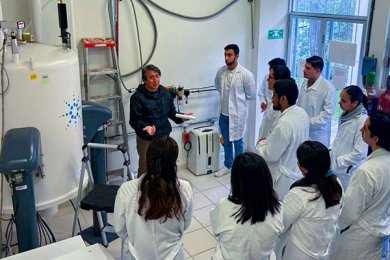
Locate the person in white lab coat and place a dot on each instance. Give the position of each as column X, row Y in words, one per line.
column 348, row 149
column 290, row 130
column 236, row 85
column 270, row 115
column 312, row 207
column 365, row 217
column 152, row 212
column 264, row 93
column 318, row 98
column 247, row 223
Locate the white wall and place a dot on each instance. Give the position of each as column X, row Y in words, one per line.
column 270, row 15
column 188, row 52
column 12, row 10
column 379, row 36
column 21, row 10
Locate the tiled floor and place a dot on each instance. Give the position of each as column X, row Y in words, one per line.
column 199, row 242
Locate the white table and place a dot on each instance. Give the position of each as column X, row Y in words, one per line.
column 71, row 248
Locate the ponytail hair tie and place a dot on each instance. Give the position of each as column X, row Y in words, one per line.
column 329, row 173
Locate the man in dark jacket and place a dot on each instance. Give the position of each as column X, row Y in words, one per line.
column 150, row 107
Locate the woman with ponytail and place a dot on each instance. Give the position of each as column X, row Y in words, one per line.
column 348, row 149
column 152, row 212
column 312, row 206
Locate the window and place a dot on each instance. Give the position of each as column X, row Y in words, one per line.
column 335, row 7
column 313, row 24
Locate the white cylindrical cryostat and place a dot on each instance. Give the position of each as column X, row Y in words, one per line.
column 44, row 92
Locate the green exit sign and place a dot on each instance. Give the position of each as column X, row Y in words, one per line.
column 275, row 34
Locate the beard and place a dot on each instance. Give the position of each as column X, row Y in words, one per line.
column 229, row 63
column 277, row 108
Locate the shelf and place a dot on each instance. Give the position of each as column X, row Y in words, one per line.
column 105, row 97
column 104, row 71
column 98, row 42
column 114, row 122
column 117, row 172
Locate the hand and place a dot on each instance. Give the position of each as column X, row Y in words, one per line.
column 188, row 114
column 151, row 130
column 263, row 106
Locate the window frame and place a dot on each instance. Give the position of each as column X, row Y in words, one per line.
column 324, row 18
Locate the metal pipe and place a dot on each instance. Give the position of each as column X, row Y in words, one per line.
column 36, row 14
column 371, row 17
column 14, row 47
column 1, row 12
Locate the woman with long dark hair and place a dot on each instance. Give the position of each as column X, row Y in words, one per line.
column 312, row 206
column 248, row 222
column 348, row 149
column 152, row 212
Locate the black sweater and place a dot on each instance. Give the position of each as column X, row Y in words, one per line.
column 152, row 108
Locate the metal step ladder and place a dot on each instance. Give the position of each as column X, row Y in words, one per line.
column 108, row 91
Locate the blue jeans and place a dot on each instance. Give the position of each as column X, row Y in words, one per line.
column 227, row 145
column 385, row 247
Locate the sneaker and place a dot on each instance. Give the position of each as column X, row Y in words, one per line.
column 222, row 172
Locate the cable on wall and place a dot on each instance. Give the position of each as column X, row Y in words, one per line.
column 155, row 35
column 155, row 32
column 137, row 27
column 3, row 90
column 192, row 17
column 114, row 34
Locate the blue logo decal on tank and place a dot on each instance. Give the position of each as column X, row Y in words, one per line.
column 73, row 111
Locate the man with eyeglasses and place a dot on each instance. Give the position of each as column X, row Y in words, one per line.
column 270, row 115
column 264, row 93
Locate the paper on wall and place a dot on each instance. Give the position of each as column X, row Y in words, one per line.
column 339, row 77
column 342, row 52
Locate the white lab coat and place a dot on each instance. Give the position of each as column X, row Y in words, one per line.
column 264, row 93
column 319, row 101
column 348, row 149
column 357, row 244
column 150, row 239
column 243, row 241
column 366, row 208
column 242, row 89
column 309, row 227
column 279, row 149
column 270, row 116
